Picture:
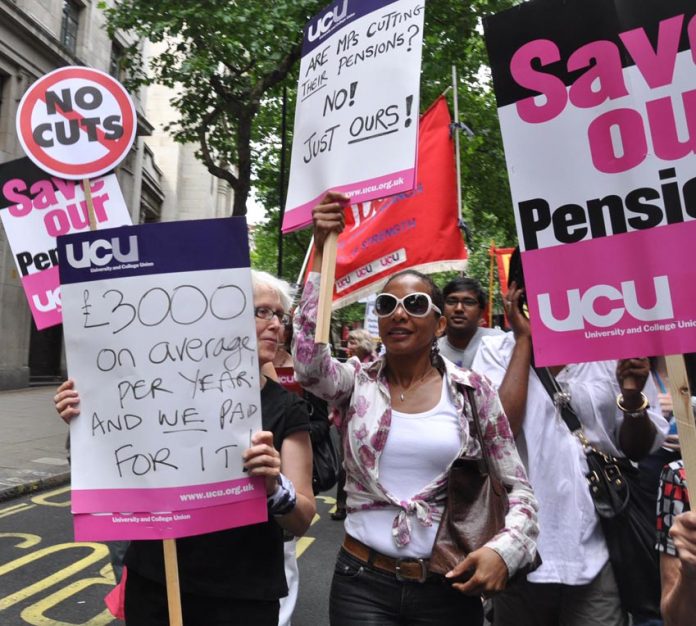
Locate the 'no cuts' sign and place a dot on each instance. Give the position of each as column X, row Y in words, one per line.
column 76, row 122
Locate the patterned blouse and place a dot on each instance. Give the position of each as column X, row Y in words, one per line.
column 360, row 395
column 673, row 500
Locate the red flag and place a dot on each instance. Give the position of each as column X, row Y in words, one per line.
column 417, row 229
column 502, row 256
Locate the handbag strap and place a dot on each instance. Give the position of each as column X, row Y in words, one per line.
column 552, row 387
column 568, row 414
column 477, row 427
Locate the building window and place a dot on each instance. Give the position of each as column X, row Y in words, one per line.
column 69, row 25
column 115, row 61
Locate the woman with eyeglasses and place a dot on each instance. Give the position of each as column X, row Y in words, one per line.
column 404, row 419
column 234, row 576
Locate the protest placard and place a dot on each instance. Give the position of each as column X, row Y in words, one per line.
column 35, row 208
column 597, row 106
column 160, row 340
column 371, row 321
column 357, row 104
column 286, row 377
column 76, row 122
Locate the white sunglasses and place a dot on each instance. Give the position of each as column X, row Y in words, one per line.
column 417, row 304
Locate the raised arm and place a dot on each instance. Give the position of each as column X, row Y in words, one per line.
column 515, row 383
column 637, row 432
column 315, row 369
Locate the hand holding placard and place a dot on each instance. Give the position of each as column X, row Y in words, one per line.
column 329, row 220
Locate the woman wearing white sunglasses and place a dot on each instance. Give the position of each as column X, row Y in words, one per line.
column 404, row 420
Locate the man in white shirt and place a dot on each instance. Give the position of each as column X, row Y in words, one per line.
column 465, row 302
column 575, row 585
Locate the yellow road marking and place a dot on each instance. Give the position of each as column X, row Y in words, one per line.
column 302, row 544
column 28, row 541
column 107, row 572
column 326, row 499
column 99, row 552
column 44, row 500
column 35, row 614
column 17, row 508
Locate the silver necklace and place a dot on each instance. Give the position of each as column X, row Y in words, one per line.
column 412, row 386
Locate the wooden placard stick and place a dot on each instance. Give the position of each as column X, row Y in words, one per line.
column 328, row 275
column 681, row 402
column 171, row 570
column 90, row 204
column 491, row 253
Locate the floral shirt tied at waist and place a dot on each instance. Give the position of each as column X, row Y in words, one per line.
column 360, row 394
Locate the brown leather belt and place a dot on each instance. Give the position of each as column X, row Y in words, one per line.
column 411, row 569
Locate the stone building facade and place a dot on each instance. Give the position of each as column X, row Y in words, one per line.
column 160, row 180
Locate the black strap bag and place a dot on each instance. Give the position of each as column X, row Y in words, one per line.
column 327, row 462
column 629, row 529
column 326, row 457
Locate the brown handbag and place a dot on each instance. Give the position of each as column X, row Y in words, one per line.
column 476, row 506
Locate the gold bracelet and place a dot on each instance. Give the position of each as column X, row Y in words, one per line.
column 635, row 412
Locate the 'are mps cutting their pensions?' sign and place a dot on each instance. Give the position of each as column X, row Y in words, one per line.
column 597, row 106
column 161, row 343
column 356, row 117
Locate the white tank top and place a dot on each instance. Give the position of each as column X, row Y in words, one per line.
column 420, row 446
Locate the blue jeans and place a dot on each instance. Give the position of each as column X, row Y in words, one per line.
column 363, row 596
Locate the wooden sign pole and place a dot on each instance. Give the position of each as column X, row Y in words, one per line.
column 491, row 252
column 328, row 275
column 681, row 402
column 171, row 566
column 90, row 204
column 171, row 570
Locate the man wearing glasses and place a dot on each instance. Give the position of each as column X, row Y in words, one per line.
column 465, row 301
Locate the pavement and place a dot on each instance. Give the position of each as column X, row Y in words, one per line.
column 32, row 445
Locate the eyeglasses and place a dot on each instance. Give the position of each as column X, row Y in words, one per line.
column 416, row 304
column 266, row 313
column 453, row 302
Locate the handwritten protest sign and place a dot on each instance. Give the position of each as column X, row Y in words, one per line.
column 356, row 118
column 160, row 339
column 35, row 208
column 597, row 106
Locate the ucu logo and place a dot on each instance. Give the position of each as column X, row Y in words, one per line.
column 328, row 21
column 51, row 303
column 100, row 252
column 581, row 308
